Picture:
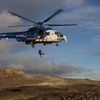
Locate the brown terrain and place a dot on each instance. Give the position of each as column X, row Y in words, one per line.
column 17, row 85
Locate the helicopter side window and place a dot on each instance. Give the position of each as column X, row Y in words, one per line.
column 47, row 33
column 56, row 33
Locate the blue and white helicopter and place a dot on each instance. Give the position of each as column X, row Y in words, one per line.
column 37, row 33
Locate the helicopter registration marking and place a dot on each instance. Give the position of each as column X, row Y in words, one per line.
column 20, row 36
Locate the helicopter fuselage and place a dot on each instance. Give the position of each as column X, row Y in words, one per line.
column 31, row 37
column 48, row 37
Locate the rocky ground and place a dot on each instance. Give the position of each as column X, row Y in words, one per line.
column 16, row 85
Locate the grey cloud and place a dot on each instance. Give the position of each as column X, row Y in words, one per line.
column 33, row 9
column 94, row 2
column 39, row 9
column 74, row 3
column 7, row 19
column 38, row 67
column 30, row 8
column 33, row 65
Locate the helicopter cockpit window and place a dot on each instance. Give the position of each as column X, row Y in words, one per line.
column 59, row 34
column 56, row 33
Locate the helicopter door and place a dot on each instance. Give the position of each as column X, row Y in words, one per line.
column 31, row 35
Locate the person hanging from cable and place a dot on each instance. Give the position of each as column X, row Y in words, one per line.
column 40, row 52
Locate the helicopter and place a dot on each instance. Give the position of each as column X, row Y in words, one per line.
column 37, row 33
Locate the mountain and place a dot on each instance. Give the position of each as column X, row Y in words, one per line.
column 17, row 85
column 13, row 78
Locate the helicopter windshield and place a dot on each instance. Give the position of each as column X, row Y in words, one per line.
column 59, row 34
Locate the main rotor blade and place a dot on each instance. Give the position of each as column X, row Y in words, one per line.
column 61, row 24
column 54, row 14
column 21, row 17
column 21, row 26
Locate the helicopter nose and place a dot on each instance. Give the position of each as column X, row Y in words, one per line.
column 65, row 38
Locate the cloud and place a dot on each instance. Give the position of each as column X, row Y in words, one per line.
column 75, row 11
column 7, row 19
column 32, row 9
column 74, row 3
column 94, row 2
column 78, row 11
column 85, row 15
column 32, row 65
column 39, row 67
column 36, row 9
column 96, row 39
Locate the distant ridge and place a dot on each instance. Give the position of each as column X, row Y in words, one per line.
column 12, row 78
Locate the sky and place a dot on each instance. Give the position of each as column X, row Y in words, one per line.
column 79, row 58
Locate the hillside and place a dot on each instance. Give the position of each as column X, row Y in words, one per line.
column 17, row 85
